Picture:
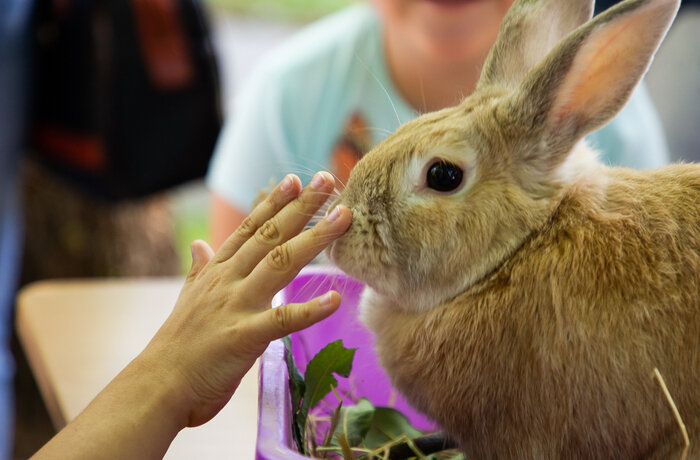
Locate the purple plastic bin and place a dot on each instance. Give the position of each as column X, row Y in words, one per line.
column 367, row 378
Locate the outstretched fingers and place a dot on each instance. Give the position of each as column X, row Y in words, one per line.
column 286, row 191
column 283, row 225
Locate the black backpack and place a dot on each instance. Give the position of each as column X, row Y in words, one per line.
column 126, row 98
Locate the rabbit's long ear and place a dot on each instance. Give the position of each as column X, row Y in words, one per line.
column 586, row 79
column 530, row 29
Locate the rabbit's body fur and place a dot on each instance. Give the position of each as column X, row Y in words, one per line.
column 552, row 354
column 525, row 306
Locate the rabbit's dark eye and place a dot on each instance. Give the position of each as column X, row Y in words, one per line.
column 444, row 176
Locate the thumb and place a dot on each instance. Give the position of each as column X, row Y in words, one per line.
column 201, row 255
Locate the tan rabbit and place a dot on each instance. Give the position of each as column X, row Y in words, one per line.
column 522, row 293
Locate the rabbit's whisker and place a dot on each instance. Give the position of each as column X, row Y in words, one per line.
column 381, row 85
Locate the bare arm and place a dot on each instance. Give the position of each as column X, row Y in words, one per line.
column 221, row 323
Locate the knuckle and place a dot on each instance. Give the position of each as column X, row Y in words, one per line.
column 289, row 318
column 268, row 233
column 281, row 317
column 247, row 228
column 279, row 258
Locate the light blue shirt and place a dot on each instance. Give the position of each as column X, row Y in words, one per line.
column 295, row 105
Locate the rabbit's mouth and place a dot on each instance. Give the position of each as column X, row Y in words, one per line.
column 362, row 254
column 358, row 262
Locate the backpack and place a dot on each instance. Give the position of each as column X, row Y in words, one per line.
column 126, row 98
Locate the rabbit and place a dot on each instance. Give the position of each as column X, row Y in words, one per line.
column 522, row 293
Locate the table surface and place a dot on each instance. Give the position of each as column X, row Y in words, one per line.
column 78, row 335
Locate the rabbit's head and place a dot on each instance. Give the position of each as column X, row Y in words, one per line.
column 448, row 197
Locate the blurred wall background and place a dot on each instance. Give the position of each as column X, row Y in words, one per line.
column 674, row 84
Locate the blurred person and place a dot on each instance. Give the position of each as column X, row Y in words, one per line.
column 221, row 323
column 14, row 37
column 337, row 88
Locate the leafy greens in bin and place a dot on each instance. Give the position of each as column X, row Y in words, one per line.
column 360, row 430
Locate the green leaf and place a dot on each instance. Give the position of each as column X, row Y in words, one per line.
column 296, row 388
column 333, row 359
column 334, row 423
column 355, row 421
column 387, row 425
column 296, row 380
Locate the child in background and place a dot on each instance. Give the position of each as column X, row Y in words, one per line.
column 343, row 84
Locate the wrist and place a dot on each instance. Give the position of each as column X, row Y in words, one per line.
column 169, row 388
column 158, row 389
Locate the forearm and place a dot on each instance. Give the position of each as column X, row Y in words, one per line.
column 135, row 416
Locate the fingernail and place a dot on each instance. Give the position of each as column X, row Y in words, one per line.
column 333, row 216
column 286, row 184
column 327, row 299
column 318, row 181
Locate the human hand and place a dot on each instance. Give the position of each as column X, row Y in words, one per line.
column 222, row 321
